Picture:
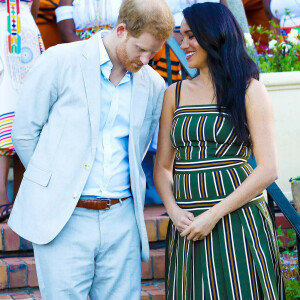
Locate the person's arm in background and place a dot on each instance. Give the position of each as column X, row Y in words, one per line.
column 35, row 8
column 65, row 22
column 224, row 2
column 267, row 8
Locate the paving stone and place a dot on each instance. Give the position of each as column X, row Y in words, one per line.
column 161, row 286
column 21, row 296
column 163, row 222
column 3, row 275
column 17, row 272
column 11, row 239
column 151, row 226
column 158, row 263
column 144, row 296
column 149, row 287
column 147, row 269
column 157, row 294
column 1, row 237
column 31, row 271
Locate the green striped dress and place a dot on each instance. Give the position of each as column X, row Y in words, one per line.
column 239, row 259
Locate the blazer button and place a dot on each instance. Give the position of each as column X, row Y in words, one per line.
column 74, row 196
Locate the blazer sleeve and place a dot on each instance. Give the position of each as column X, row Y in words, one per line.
column 37, row 95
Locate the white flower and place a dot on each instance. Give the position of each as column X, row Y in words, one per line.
column 248, row 39
column 272, row 44
column 286, row 47
column 293, row 36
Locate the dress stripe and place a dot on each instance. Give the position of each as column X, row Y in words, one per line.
column 259, row 253
column 211, row 270
column 230, row 252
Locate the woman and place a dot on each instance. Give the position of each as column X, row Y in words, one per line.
column 220, row 241
column 80, row 19
column 159, row 61
column 20, row 46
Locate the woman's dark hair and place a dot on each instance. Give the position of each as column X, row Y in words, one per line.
column 230, row 66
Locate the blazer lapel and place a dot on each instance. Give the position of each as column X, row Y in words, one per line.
column 90, row 67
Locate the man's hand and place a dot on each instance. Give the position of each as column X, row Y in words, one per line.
column 181, row 218
column 201, row 226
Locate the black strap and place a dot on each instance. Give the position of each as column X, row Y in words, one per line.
column 177, row 93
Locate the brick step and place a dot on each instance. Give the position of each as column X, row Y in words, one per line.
column 156, row 225
column 150, row 291
column 20, row 272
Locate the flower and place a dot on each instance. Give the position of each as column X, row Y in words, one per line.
column 272, row 44
column 248, row 39
column 285, row 47
column 282, row 53
column 292, row 37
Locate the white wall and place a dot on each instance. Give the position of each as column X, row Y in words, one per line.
column 284, row 90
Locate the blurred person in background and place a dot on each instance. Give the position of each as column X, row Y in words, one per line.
column 20, row 46
column 46, row 22
column 80, row 19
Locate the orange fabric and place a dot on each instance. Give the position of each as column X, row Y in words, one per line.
column 46, row 23
column 159, row 63
column 256, row 16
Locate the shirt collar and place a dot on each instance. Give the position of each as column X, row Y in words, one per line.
column 105, row 61
column 104, row 58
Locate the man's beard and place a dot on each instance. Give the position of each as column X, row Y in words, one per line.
column 122, row 56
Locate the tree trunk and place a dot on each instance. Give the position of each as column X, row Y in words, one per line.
column 237, row 8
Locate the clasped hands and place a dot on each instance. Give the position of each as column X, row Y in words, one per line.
column 194, row 228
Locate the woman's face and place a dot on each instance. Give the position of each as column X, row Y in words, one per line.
column 196, row 56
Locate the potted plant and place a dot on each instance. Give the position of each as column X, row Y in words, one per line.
column 295, row 185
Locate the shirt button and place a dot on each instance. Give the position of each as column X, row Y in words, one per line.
column 74, row 196
column 87, row 167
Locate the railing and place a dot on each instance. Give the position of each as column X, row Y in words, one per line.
column 274, row 193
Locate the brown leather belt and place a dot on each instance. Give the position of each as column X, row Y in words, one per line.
column 102, row 203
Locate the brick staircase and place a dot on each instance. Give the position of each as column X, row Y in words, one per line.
column 18, row 278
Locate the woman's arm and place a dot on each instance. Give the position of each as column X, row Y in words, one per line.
column 163, row 177
column 35, row 8
column 67, row 27
column 261, row 126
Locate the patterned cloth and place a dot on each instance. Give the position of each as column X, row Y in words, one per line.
column 239, row 259
column 21, row 44
column 87, row 33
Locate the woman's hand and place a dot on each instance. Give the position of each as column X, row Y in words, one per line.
column 181, row 218
column 201, row 226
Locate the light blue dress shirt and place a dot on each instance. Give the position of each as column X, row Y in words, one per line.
column 109, row 176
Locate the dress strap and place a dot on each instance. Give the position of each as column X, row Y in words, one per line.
column 177, row 93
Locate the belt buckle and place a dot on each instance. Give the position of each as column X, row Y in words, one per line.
column 108, row 204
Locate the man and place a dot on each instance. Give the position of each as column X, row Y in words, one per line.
column 87, row 114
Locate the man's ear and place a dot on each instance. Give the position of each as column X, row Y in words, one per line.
column 121, row 30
